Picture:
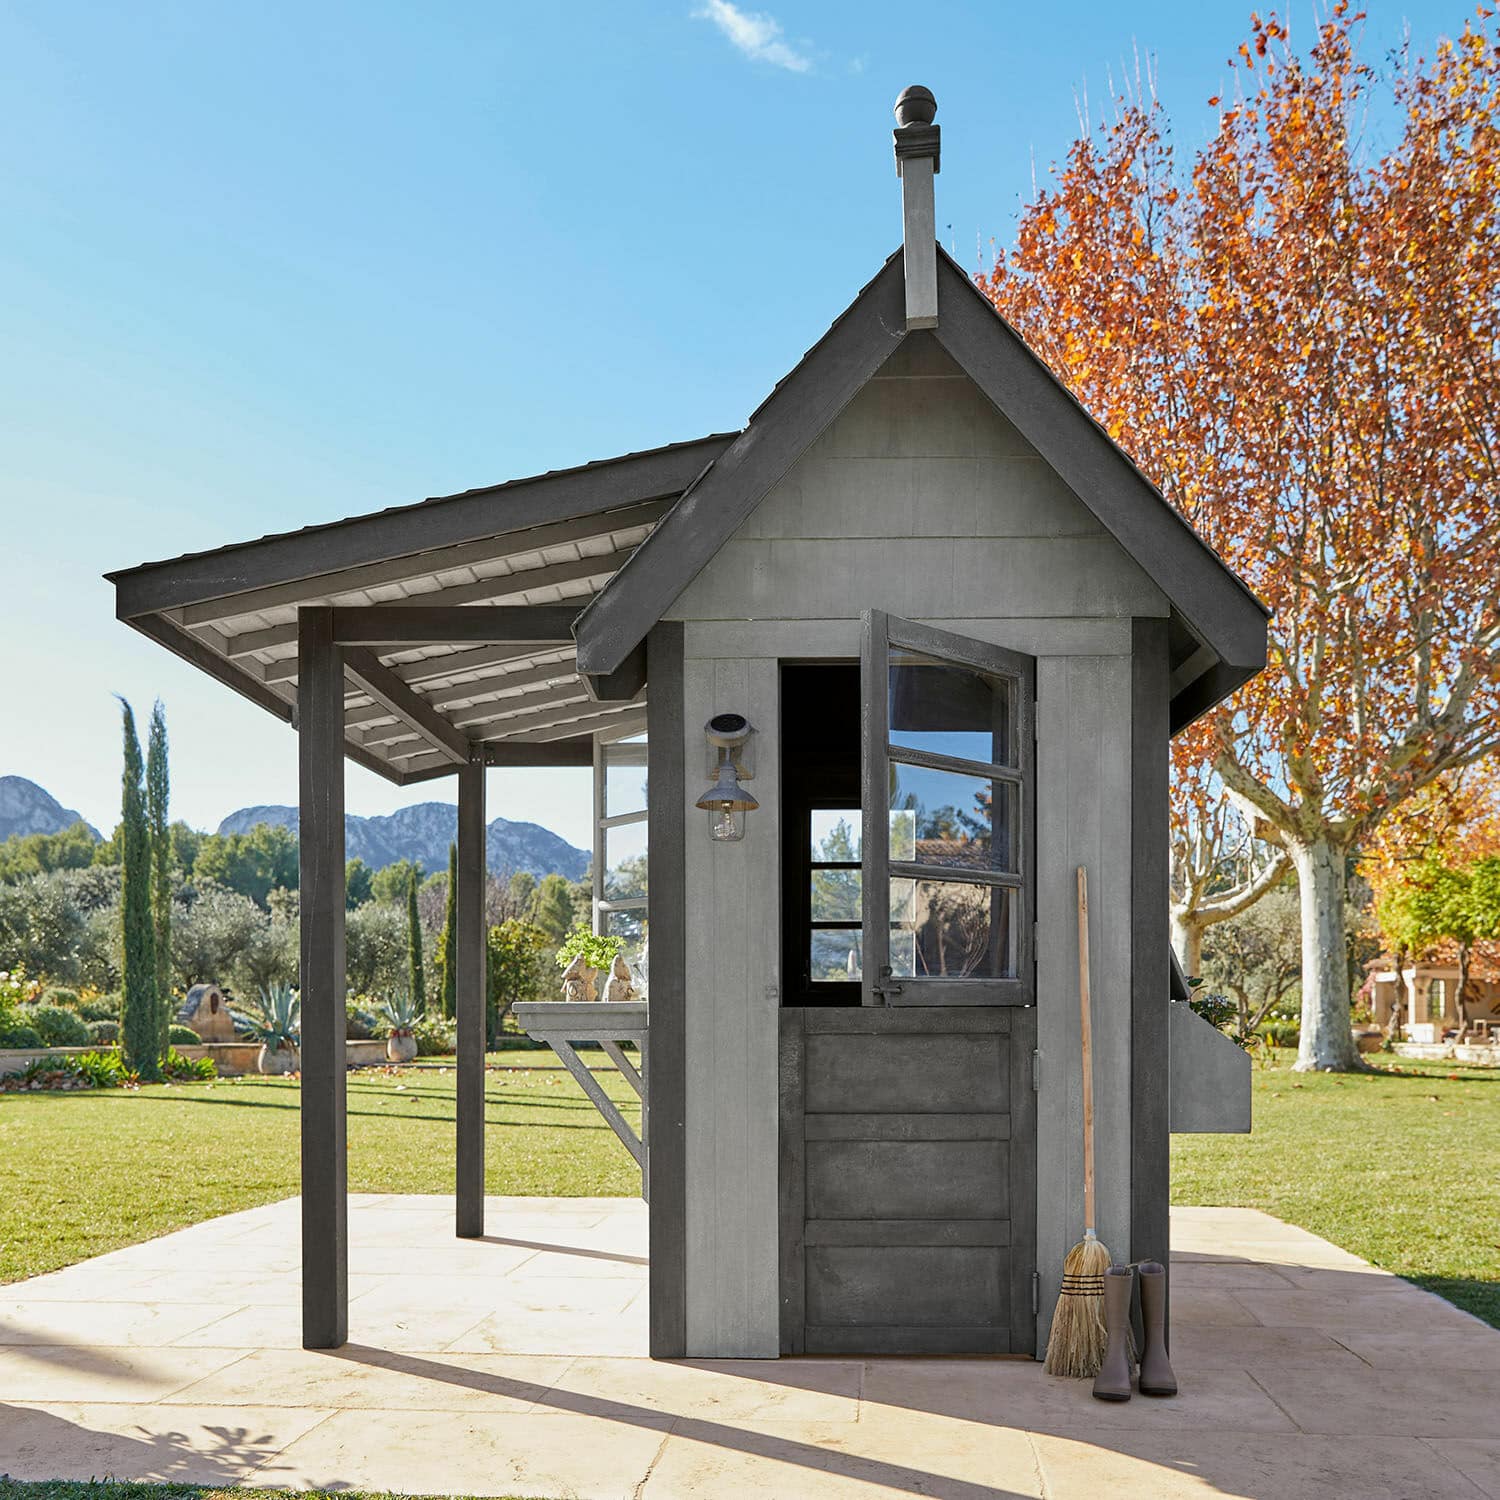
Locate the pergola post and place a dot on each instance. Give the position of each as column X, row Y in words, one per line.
column 469, row 1001
column 320, row 750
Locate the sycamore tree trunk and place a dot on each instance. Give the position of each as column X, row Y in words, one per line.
column 1327, row 1042
column 1187, row 943
column 1461, row 1000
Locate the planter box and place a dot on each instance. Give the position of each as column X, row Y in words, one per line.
column 1209, row 1077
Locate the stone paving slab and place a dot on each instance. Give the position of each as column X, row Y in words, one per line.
column 514, row 1365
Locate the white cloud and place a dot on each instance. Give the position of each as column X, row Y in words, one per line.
column 757, row 36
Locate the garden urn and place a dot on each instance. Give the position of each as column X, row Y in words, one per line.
column 278, row 1060
column 400, row 1047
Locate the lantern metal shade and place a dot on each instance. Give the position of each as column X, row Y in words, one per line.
column 726, row 794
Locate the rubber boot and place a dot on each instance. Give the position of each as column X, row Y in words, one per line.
column 1157, row 1378
column 1112, row 1383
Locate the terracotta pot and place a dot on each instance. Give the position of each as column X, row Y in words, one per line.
column 1369, row 1040
column 401, row 1049
column 282, row 1060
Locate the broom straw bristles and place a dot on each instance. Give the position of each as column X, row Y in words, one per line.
column 1076, row 1344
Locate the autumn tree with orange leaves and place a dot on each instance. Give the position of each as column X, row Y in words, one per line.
column 1298, row 340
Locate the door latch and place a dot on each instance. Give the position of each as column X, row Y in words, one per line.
column 885, row 990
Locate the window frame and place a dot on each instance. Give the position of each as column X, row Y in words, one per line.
column 881, row 633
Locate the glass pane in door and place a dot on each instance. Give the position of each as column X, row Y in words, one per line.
column 966, row 822
column 950, row 710
column 953, row 929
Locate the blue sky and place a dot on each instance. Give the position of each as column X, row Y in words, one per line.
column 273, row 264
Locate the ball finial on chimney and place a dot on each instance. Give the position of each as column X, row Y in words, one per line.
column 916, row 106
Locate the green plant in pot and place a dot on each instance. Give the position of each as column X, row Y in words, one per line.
column 277, row 1026
column 400, row 1015
column 585, row 955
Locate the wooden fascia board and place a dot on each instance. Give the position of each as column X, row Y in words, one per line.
column 542, row 626
column 411, row 530
column 191, row 650
column 1207, row 691
column 1214, row 602
column 710, row 512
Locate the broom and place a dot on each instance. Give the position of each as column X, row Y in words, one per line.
column 1078, row 1338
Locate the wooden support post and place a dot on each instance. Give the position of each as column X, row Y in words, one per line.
column 320, row 744
column 469, row 1003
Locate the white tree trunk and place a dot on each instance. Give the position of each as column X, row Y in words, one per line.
column 1327, row 1042
column 1187, row 943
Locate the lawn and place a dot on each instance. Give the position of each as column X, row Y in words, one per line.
column 89, row 1172
column 1400, row 1168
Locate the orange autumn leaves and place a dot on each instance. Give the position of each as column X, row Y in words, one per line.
column 1296, row 335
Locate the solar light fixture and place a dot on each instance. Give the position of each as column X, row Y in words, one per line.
column 726, row 801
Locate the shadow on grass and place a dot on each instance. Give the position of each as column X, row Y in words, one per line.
column 1482, row 1298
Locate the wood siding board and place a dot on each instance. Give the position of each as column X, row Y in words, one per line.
column 409, row 530
column 1023, row 1184
column 789, row 420
column 1150, row 977
column 1213, row 600
column 325, row 1238
column 758, row 579
column 1083, row 818
column 813, row 639
column 999, row 1232
column 667, row 909
column 469, row 1003
column 792, row 1198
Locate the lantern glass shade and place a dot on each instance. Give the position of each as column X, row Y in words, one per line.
column 726, row 803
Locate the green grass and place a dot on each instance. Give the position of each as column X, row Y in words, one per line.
column 89, row 1172
column 1399, row 1168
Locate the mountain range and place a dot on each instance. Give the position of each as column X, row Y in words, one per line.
column 27, row 808
column 421, row 833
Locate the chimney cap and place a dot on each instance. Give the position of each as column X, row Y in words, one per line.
column 916, row 105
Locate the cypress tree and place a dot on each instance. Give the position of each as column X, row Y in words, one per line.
column 139, row 1019
column 157, row 794
column 447, row 942
column 415, row 978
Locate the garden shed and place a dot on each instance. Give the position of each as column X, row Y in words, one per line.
column 899, row 656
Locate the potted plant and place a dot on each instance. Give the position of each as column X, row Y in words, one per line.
column 400, row 1016
column 583, row 956
column 278, row 1028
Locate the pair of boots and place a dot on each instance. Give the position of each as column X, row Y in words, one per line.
column 1113, row 1381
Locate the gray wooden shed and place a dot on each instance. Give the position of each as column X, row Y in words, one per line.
column 960, row 628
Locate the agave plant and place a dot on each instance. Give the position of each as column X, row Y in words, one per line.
column 401, row 1014
column 279, row 1022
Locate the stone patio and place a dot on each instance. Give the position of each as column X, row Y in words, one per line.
column 514, row 1366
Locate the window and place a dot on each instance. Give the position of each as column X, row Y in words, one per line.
column 947, row 763
column 835, row 901
column 620, row 851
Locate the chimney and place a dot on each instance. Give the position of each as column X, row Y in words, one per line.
column 917, row 162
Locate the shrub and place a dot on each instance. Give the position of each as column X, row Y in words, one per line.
column 182, row 1069
column 1282, row 1033
column 436, row 1036
column 20, row 1035
column 278, row 1019
column 103, row 1070
column 104, row 1033
column 102, row 1008
column 66, row 998
column 56, row 1026
column 182, row 1036
column 399, row 1015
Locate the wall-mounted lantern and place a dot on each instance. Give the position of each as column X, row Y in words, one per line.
column 726, row 801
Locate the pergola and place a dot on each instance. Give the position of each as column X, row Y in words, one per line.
column 422, row 641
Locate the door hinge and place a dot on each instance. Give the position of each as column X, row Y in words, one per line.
column 1036, row 1071
column 1036, row 1293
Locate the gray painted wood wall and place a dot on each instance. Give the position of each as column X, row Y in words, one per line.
column 920, row 499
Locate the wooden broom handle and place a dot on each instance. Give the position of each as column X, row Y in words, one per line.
column 1086, row 1036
